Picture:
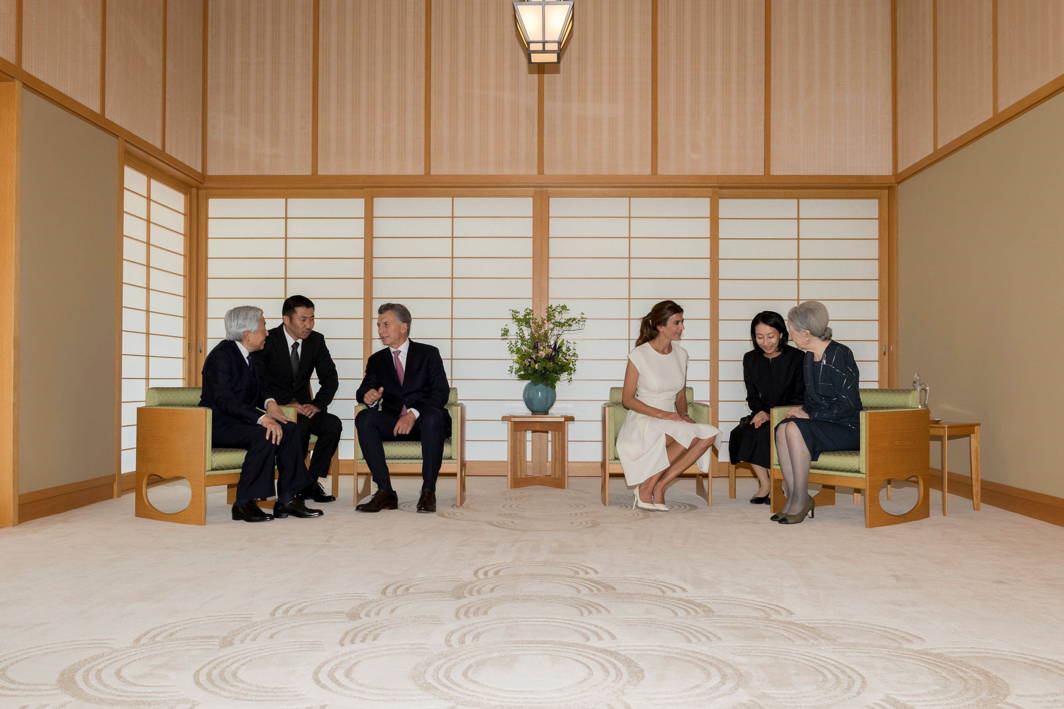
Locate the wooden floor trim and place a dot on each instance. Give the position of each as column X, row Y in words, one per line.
column 1036, row 505
column 53, row 500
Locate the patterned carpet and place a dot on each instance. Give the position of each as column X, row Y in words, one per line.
column 533, row 598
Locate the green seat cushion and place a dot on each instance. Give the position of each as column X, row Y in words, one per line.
column 227, row 458
column 173, row 396
column 838, row 462
column 411, row 450
column 890, row 398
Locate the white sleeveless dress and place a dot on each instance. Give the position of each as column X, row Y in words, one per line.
column 641, row 440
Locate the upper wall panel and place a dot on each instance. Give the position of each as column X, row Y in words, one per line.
column 831, row 87
column 1030, row 46
column 61, row 45
column 597, row 103
column 8, row 29
column 134, row 90
column 916, row 91
column 259, row 87
column 372, row 87
column 965, row 66
column 711, row 82
column 184, row 81
column 484, row 92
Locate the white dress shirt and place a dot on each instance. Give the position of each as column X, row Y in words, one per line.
column 247, row 359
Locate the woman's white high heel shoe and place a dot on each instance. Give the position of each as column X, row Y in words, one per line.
column 661, row 506
column 636, row 502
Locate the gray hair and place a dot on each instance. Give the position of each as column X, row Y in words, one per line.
column 812, row 316
column 400, row 310
column 240, row 319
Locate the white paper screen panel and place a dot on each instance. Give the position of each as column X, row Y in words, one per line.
column 775, row 253
column 259, row 251
column 613, row 259
column 153, row 296
column 460, row 264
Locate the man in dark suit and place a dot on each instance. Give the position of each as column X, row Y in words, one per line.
column 232, row 390
column 293, row 352
column 405, row 390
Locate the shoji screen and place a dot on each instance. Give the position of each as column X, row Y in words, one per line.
column 460, row 264
column 263, row 250
column 153, row 296
column 775, row 253
column 612, row 259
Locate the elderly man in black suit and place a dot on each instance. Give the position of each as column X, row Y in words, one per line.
column 233, row 392
column 405, row 390
column 293, row 352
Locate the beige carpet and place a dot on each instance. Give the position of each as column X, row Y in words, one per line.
column 533, row 598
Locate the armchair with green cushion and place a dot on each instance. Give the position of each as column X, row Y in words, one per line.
column 613, row 413
column 174, row 442
column 894, row 443
column 404, row 457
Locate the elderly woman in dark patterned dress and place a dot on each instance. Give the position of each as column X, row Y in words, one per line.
column 829, row 420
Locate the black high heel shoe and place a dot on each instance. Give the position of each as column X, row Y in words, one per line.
column 776, row 517
column 760, row 499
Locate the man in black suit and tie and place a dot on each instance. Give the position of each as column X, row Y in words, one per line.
column 405, row 390
column 232, row 390
column 292, row 353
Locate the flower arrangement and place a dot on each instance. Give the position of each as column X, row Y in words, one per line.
column 540, row 354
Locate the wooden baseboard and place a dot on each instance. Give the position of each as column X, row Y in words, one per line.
column 1036, row 505
column 53, row 500
column 579, row 469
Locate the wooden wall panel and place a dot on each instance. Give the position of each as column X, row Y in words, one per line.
column 8, row 29
column 1030, row 46
column 597, row 101
column 965, row 71
column 916, row 91
column 259, row 87
column 711, row 79
column 61, row 42
column 484, row 92
column 134, row 89
column 831, row 87
column 184, row 81
column 371, row 90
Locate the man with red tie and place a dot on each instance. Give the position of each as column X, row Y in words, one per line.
column 405, row 391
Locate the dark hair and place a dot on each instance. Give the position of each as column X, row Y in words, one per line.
column 772, row 319
column 296, row 301
column 658, row 316
column 399, row 309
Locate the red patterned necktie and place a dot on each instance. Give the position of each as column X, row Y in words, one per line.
column 399, row 372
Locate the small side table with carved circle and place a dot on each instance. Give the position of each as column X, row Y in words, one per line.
column 945, row 430
column 550, row 450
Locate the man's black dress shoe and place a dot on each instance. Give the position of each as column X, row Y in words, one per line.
column 250, row 512
column 295, row 508
column 427, row 501
column 317, row 493
column 381, row 500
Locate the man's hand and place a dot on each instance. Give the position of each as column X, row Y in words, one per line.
column 273, row 410
column 273, row 430
column 404, row 424
column 759, row 418
column 373, row 396
column 797, row 413
column 308, row 410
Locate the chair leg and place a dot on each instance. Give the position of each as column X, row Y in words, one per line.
column 777, row 499
column 876, row 516
column 731, row 480
column 604, row 483
column 460, row 475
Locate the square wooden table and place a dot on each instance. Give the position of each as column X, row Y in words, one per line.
column 945, row 430
column 550, row 450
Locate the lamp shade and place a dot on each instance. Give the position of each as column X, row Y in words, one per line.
column 544, row 27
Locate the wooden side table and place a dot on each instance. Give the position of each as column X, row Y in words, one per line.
column 550, row 450
column 945, row 430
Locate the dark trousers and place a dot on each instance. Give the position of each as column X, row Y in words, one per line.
column 374, row 428
column 327, row 428
column 256, row 475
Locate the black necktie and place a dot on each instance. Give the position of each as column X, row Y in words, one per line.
column 295, row 359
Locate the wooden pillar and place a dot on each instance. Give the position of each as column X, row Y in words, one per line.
column 9, row 153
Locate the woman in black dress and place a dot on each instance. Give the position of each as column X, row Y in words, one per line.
column 773, row 375
column 829, row 419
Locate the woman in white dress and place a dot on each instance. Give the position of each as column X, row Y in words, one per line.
column 658, row 440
